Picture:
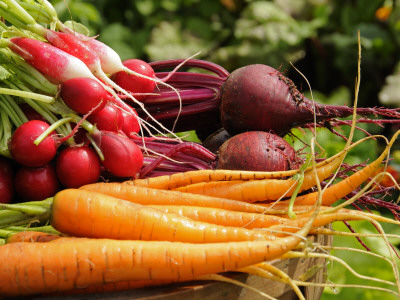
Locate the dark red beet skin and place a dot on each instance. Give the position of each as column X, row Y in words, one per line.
column 258, row 97
column 257, row 151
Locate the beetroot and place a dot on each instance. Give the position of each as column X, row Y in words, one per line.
column 259, row 97
column 257, row 151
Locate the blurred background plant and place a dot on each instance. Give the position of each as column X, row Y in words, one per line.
column 319, row 37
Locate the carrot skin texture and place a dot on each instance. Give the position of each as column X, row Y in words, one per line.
column 83, row 213
column 177, row 180
column 259, row 190
column 223, row 217
column 146, row 196
column 78, row 263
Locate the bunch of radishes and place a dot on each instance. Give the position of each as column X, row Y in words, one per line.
column 71, row 123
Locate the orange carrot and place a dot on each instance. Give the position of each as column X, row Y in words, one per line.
column 346, row 186
column 90, row 214
column 292, row 225
column 174, row 181
column 36, row 268
column 31, row 236
column 257, row 190
column 223, row 217
column 147, row 196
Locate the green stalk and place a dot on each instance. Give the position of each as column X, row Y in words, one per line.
column 49, row 8
column 30, row 95
column 6, row 14
column 9, row 109
column 51, row 128
column 15, row 107
column 27, row 209
column 5, row 233
column 14, row 7
column 46, row 229
column 11, row 217
column 6, row 126
column 36, row 11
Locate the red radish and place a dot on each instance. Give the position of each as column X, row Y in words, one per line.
column 259, row 97
column 131, row 124
column 257, row 151
column 133, row 83
column 110, row 118
column 110, row 61
column 82, row 94
column 33, row 184
column 122, row 157
column 77, row 166
column 56, row 64
column 6, row 181
column 23, row 149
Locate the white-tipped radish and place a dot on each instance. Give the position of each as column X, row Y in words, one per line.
column 56, row 64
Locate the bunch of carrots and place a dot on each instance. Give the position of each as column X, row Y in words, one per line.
column 183, row 227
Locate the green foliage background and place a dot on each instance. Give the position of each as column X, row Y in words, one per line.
column 319, row 37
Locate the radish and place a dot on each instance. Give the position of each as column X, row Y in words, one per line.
column 6, row 181
column 33, row 184
column 257, row 151
column 77, row 166
column 130, row 125
column 133, row 83
column 110, row 118
column 58, row 65
column 23, row 149
column 122, row 157
column 83, row 94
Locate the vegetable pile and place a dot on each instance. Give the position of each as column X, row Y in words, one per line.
column 86, row 137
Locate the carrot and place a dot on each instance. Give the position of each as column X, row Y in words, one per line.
column 339, row 190
column 174, row 181
column 31, row 236
column 83, row 213
column 291, row 225
column 223, row 217
column 147, row 196
column 177, row 180
column 258, row 190
column 36, row 268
